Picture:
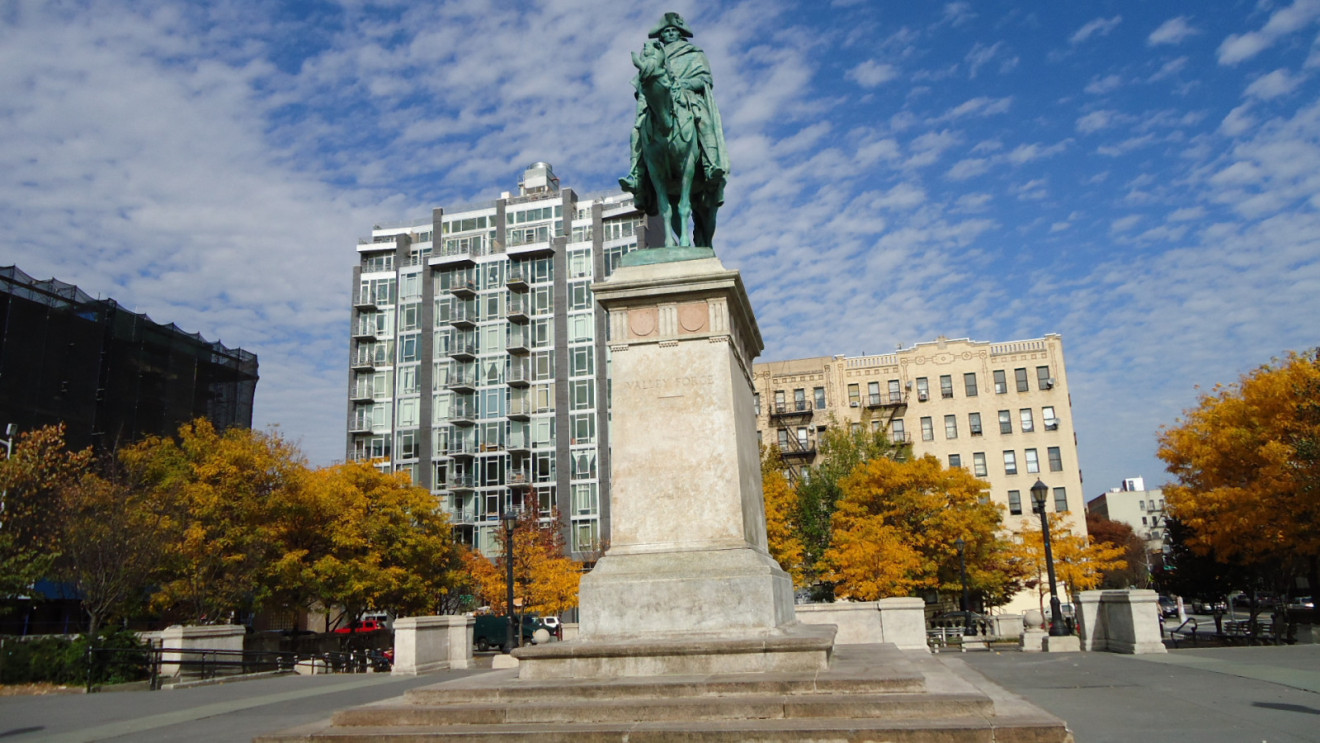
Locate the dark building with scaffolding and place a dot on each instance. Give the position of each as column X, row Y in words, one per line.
column 110, row 375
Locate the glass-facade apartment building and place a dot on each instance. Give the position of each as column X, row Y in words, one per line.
column 478, row 356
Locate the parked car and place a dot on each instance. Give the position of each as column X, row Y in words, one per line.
column 364, row 625
column 1209, row 606
column 1302, row 602
column 554, row 626
column 1168, row 606
column 491, row 631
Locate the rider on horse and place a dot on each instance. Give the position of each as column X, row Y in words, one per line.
column 689, row 74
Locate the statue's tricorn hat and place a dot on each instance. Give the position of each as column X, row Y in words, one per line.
column 671, row 19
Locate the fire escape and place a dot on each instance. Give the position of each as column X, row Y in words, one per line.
column 797, row 446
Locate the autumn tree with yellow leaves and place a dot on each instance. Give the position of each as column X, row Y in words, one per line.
column 1247, row 471
column 544, row 579
column 895, row 527
column 1080, row 562
column 783, row 532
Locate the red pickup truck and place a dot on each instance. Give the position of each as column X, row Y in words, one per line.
column 366, row 625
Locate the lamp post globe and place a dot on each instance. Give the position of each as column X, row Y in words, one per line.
column 1038, row 493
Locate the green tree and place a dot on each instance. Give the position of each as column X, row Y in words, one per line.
column 842, row 450
column 896, row 526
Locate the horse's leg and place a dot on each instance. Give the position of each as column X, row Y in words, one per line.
column 685, row 198
column 666, row 204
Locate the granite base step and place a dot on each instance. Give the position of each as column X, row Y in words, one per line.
column 868, row 693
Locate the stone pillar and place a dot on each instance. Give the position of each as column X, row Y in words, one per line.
column 687, row 543
column 189, row 642
column 1007, row 626
column 1121, row 621
column 903, row 621
column 425, row 644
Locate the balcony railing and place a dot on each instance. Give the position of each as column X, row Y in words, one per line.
column 879, row 400
column 795, row 409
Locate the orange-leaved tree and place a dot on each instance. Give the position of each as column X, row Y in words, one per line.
column 896, row 526
column 544, row 578
column 783, row 532
column 1247, row 476
column 1080, row 562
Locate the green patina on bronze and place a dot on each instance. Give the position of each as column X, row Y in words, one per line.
column 679, row 160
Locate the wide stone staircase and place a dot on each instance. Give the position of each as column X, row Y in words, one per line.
column 868, row 693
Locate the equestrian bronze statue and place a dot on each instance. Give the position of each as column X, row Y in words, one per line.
column 679, row 159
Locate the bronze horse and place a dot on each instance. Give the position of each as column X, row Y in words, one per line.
column 670, row 150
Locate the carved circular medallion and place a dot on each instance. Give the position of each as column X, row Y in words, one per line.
column 642, row 322
column 692, row 317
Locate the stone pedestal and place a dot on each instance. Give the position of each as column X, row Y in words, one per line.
column 1121, row 621
column 425, row 644
column 687, row 561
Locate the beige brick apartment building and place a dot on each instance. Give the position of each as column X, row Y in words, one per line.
column 1001, row 410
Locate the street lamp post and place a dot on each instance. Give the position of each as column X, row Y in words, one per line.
column 1038, row 493
column 962, row 573
column 510, row 520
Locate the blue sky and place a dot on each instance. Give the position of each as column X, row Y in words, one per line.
column 1143, row 178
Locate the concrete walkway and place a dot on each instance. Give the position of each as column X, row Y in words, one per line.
column 225, row 713
column 1220, row 695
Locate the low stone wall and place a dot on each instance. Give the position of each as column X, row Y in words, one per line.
column 901, row 621
column 425, row 644
column 1121, row 621
column 189, row 642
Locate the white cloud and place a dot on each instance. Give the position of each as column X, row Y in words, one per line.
column 969, row 168
column 980, row 106
column 1239, row 47
column 872, row 74
column 1172, row 31
column 1095, row 121
column 1103, row 85
column 1272, row 85
column 1238, row 121
column 1099, row 26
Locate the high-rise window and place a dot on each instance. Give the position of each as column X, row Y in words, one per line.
column 1005, row 421
column 800, row 399
column 974, row 423
column 1047, row 417
column 896, row 428
column 1027, row 425
column 923, row 389
column 1001, row 382
column 950, row 426
column 1021, row 376
column 955, row 460
column 1043, row 379
column 819, row 394
column 927, row 429
column 978, row 464
column 969, row 384
column 1010, row 462
column 1056, row 459
column 1061, row 500
column 1015, row 502
column 854, row 395
column 946, row 386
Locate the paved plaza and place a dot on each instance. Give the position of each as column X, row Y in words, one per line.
column 1221, row 695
